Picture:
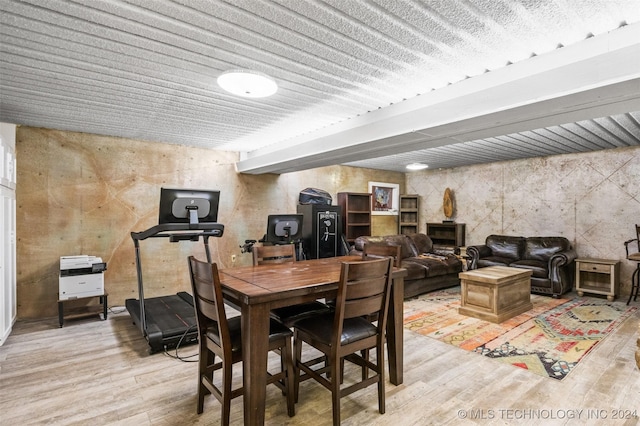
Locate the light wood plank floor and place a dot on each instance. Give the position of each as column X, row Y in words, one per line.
column 94, row 372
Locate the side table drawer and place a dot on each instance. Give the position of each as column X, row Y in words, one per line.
column 595, row 267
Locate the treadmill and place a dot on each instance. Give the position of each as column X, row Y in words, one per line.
column 167, row 321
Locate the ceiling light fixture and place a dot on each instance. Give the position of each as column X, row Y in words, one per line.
column 247, row 83
column 417, row 166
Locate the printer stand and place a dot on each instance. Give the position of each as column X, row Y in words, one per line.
column 83, row 311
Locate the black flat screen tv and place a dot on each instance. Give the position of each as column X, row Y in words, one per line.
column 190, row 206
column 284, row 228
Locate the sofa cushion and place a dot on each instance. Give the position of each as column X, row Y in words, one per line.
column 538, row 267
column 435, row 265
column 422, row 243
column 415, row 271
column 493, row 261
column 506, row 246
column 408, row 249
column 542, row 248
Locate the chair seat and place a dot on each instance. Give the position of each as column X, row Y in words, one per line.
column 320, row 328
column 277, row 331
column 289, row 315
column 634, row 256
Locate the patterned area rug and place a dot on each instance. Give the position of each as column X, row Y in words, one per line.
column 549, row 340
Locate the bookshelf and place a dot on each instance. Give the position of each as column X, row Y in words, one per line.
column 356, row 214
column 408, row 214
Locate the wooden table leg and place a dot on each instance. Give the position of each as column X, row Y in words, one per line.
column 255, row 347
column 105, row 306
column 395, row 332
column 61, row 312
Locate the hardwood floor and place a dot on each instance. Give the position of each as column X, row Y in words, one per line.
column 94, row 372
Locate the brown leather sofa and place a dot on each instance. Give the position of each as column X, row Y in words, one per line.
column 426, row 270
column 551, row 259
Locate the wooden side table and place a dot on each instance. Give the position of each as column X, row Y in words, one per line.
column 598, row 276
column 82, row 312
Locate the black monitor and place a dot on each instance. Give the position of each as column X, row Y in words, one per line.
column 284, row 228
column 190, row 206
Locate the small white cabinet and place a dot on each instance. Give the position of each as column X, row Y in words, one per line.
column 8, row 300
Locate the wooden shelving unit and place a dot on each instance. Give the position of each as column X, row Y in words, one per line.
column 408, row 214
column 446, row 234
column 356, row 214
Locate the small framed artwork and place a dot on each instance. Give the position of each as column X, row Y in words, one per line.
column 385, row 198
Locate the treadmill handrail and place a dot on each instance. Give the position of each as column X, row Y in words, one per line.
column 212, row 229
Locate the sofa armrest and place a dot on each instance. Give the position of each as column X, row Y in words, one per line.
column 563, row 258
column 474, row 253
column 561, row 272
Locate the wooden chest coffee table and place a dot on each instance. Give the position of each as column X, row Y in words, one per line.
column 495, row 293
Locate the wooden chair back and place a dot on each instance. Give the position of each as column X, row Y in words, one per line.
column 632, row 246
column 283, row 253
column 208, row 302
column 373, row 251
column 363, row 291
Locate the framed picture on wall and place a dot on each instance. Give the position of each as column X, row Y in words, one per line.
column 385, row 198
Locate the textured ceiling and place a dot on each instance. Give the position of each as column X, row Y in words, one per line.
column 377, row 83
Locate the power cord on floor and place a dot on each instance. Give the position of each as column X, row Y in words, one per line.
column 177, row 355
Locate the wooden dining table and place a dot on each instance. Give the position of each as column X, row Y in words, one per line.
column 258, row 289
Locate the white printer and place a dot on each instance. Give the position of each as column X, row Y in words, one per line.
column 81, row 276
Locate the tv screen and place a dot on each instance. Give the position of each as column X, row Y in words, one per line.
column 284, row 228
column 190, row 206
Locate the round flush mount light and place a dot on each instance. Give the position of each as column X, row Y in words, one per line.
column 248, row 84
column 417, row 166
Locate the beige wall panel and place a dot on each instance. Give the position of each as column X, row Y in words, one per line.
column 593, row 199
column 84, row 194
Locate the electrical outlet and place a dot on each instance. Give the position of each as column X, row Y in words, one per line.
column 233, row 258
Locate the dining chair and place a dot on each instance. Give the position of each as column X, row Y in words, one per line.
column 373, row 251
column 344, row 334
column 285, row 253
column 633, row 254
column 219, row 336
column 376, row 251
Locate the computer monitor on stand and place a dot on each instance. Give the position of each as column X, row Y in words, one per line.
column 285, row 229
column 188, row 206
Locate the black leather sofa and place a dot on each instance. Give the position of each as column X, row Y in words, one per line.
column 427, row 270
column 551, row 260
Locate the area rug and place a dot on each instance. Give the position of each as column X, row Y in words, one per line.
column 548, row 340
